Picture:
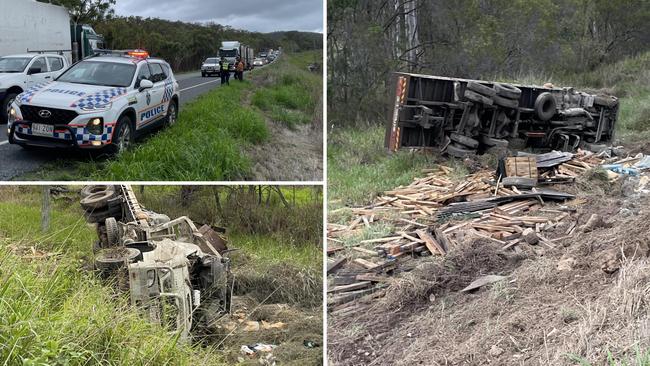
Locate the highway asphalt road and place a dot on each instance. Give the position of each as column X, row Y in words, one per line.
column 15, row 160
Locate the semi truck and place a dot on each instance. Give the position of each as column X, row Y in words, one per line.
column 28, row 26
column 231, row 50
column 173, row 271
column 463, row 117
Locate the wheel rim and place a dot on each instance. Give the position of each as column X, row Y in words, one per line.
column 172, row 114
column 125, row 138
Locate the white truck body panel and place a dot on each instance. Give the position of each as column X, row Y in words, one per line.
column 30, row 25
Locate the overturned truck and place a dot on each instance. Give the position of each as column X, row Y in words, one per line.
column 463, row 117
column 172, row 269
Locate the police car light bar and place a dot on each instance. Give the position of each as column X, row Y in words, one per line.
column 138, row 53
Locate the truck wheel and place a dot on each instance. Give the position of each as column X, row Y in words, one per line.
column 459, row 152
column 172, row 114
column 112, row 259
column 545, row 106
column 481, row 89
column 505, row 102
column 96, row 200
column 6, row 103
column 464, row 140
column 507, row 91
column 492, row 142
column 123, row 137
column 477, row 98
column 112, row 232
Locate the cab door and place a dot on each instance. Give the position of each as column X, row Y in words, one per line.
column 158, row 76
column 141, row 99
column 37, row 72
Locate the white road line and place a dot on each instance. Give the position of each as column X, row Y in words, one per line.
column 4, row 142
column 196, row 86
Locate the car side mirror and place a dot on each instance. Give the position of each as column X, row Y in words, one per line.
column 146, row 84
column 34, row 70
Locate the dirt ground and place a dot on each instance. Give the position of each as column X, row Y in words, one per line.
column 290, row 154
column 582, row 302
column 271, row 309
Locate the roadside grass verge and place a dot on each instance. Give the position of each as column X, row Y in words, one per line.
column 290, row 93
column 359, row 167
column 54, row 311
column 205, row 144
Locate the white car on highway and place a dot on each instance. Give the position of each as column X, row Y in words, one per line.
column 102, row 101
column 20, row 72
column 210, row 67
column 258, row 62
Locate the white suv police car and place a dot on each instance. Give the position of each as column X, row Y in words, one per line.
column 101, row 101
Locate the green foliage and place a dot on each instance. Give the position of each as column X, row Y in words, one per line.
column 186, row 45
column 54, row 312
column 359, row 167
column 294, row 94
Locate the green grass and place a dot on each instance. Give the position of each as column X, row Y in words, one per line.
column 359, row 167
column 53, row 311
column 291, row 94
column 268, row 250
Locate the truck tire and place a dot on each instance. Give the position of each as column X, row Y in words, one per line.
column 88, row 190
column 459, row 152
column 545, row 106
column 96, row 200
column 505, row 102
column 507, row 91
column 112, row 232
column 464, row 140
column 4, row 112
column 477, row 98
column 110, row 260
column 481, row 89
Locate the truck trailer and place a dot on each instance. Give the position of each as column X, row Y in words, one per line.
column 463, row 117
column 29, row 26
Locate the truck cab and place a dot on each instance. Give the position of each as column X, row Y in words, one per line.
column 23, row 71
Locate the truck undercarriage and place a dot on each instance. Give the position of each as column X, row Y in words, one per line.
column 170, row 267
column 464, row 117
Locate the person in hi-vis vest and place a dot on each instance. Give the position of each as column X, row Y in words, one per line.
column 224, row 71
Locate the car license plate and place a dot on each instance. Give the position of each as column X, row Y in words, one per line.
column 42, row 130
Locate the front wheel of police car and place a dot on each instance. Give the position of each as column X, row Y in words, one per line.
column 6, row 107
column 124, row 136
column 172, row 114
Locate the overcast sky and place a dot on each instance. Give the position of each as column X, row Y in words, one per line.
column 253, row 15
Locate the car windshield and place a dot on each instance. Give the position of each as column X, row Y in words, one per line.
column 13, row 64
column 99, row 73
column 227, row 53
column 211, row 61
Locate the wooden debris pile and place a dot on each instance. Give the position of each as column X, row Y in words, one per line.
column 424, row 223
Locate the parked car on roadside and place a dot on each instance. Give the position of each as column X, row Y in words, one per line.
column 104, row 101
column 21, row 72
column 210, row 67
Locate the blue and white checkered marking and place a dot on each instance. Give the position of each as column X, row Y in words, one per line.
column 99, row 99
column 169, row 91
column 83, row 137
column 27, row 95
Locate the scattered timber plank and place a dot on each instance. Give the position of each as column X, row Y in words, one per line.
column 332, row 267
column 350, row 287
column 431, row 243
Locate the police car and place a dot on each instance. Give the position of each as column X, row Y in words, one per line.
column 101, row 101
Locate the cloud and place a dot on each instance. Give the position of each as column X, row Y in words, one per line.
column 252, row 15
